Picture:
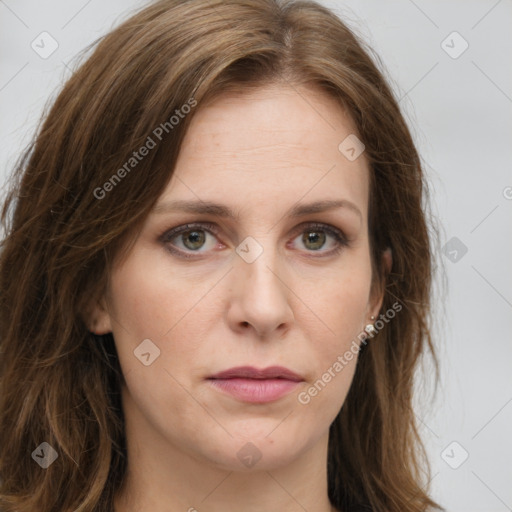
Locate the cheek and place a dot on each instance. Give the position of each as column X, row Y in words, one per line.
column 341, row 308
column 340, row 300
column 150, row 300
column 340, row 305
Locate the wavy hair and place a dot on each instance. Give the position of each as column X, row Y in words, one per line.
column 59, row 383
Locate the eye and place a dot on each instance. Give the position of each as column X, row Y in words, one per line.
column 192, row 237
column 185, row 240
column 315, row 236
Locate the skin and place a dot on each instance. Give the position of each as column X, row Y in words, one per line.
column 259, row 153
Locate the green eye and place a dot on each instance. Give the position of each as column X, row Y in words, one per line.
column 196, row 238
column 191, row 238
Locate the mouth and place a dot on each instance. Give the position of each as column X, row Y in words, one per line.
column 253, row 385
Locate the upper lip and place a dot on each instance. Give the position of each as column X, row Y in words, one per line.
column 249, row 372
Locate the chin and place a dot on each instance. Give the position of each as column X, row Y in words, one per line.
column 260, row 449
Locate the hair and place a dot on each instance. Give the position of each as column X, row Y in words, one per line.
column 59, row 383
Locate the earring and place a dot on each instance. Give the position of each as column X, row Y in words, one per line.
column 370, row 328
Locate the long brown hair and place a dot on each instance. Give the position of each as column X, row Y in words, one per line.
column 65, row 226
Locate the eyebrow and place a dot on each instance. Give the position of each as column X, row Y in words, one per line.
column 208, row 207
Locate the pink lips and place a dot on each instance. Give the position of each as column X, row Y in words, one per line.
column 256, row 386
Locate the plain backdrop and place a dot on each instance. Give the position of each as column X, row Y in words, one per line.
column 450, row 63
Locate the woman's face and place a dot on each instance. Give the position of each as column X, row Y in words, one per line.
column 264, row 288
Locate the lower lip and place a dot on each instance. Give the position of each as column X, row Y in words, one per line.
column 255, row 390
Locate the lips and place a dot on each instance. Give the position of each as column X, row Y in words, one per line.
column 249, row 372
column 254, row 385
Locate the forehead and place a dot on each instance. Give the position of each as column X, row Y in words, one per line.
column 271, row 146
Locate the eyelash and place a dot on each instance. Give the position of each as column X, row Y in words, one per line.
column 168, row 235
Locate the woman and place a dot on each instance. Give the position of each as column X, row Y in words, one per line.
column 215, row 283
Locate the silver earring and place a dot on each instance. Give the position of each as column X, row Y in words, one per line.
column 370, row 328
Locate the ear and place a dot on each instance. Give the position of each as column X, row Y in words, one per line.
column 97, row 318
column 377, row 295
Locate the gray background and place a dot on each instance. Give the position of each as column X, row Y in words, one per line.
column 459, row 110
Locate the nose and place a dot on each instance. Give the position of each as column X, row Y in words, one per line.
column 259, row 296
